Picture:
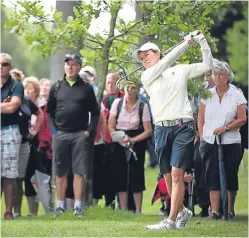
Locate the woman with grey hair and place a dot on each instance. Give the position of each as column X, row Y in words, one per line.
column 221, row 115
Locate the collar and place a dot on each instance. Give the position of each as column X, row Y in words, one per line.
column 78, row 79
column 7, row 82
column 229, row 92
column 134, row 106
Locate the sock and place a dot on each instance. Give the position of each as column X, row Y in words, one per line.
column 77, row 203
column 182, row 212
column 61, row 204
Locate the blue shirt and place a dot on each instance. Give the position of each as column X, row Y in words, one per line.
column 11, row 119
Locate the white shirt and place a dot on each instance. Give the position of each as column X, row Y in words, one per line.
column 221, row 114
column 167, row 86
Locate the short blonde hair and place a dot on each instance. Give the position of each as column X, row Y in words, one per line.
column 44, row 80
column 34, row 81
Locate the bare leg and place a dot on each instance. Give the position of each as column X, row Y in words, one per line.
column 215, row 200
column 138, row 198
column 231, row 200
column 18, row 194
column 61, row 184
column 177, row 195
column 8, row 189
column 123, row 200
column 78, row 183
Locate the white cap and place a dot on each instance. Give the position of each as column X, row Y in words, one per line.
column 148, row 46
column 88, row 69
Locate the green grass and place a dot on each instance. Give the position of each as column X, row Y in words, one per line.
column 102, row 222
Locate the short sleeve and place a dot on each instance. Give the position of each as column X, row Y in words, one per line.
column 33, row 107
column 204, row 101
column 114, row 107
column 146, row 114
column 241, row 98
column 18, row 90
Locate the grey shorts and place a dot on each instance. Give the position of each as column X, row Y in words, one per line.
column 71, row 151
column 174, row 146
column 10, row 146
column 23, row 159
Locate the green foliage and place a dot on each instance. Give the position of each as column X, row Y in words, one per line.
column 164, row 21
column 237, row 38
column 30, row 62
column 196, row 88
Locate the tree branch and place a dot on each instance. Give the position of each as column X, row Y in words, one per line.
column 132, row 26
column 94, row 41
column 128, row 42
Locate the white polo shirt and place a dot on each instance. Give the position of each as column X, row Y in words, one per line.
column 220, row 114
column 167, row 86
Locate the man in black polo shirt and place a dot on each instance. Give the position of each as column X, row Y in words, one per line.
column 11, row 99
column 69, row 104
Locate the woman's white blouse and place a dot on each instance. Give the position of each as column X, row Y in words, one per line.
column 221, row 114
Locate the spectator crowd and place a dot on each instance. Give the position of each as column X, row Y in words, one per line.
column 59, row 129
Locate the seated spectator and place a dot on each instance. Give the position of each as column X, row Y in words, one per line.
column 11, row 100
column 126, row 115
column 221, row 115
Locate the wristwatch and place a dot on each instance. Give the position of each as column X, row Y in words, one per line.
column 227, row 128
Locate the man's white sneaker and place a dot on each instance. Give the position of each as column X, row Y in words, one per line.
column 182, row 218
column 165, row 224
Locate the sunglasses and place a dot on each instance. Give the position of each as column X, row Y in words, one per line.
column 5, row 64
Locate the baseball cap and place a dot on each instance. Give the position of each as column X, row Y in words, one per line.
column 148, row 46
column 89, row 69
column 73, row 57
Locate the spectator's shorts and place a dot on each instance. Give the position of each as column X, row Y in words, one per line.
column 231, row 157
column 71, row 150
column 10, row 146
column 23, row 159
column 174, row 146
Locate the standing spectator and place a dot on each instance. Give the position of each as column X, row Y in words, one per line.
column 32, row 90
column 11, row 100
column 111, row 94
column 90, row 71
column 69, row 104
column 174, row 125
column 221, row 115
column 45, row 86
column 125, row 116
column 24, row 153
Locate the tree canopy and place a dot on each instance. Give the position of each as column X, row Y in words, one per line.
column 164, row 21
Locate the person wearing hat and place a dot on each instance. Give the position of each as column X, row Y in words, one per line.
column 91, row 73
column 69, row 104
column 174, row 124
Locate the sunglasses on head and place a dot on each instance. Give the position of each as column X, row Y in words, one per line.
column 4, row 64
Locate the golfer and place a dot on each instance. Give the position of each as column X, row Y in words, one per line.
column 174, row 124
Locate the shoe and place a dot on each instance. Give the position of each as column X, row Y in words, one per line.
column 17, row 215
column 182, row 218
column 215, row 215
column 8, row 216
column 77, row 212
column 231, row 215
column 58, row 211
column 165, row 224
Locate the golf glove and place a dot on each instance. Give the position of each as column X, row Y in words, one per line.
column 197, row 38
